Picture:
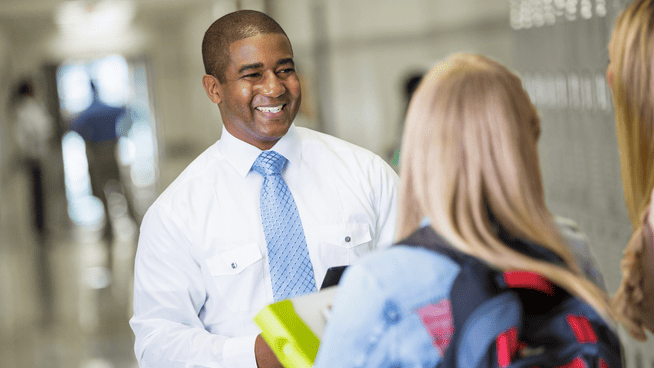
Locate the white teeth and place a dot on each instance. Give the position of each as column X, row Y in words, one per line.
column 270, row 109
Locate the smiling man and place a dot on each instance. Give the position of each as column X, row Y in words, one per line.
column 258, row 217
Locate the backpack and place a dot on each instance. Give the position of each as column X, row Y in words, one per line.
column 516, row 319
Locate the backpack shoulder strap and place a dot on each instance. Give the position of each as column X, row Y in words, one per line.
column 427, row 238
column 496, row 322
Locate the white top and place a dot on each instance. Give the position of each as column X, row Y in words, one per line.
column 33, row 128
column 201, row 272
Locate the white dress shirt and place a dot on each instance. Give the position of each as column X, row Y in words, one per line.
column 201, row 271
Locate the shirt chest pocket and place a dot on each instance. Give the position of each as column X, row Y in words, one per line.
column 238, row 274
column 342, row 244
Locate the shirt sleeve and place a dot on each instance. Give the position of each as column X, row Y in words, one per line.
column 374, row 321
column 169, row 296
column 385, row 182
column 353, row 329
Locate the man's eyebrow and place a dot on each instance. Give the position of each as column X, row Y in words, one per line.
column 286, row 61
column 249, row 67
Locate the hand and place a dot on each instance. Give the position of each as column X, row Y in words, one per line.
column 266, row 358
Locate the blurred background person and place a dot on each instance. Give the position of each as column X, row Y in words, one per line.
column 100, row 125
column 33, row 131
column 631, row 77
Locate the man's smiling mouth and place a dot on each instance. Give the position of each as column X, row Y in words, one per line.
column 271, row 109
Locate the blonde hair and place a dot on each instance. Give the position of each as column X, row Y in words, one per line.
column 631, row 53
column 469, row 150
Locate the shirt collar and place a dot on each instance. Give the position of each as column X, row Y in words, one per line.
column 241, row 155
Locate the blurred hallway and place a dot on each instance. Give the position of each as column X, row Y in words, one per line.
column 64, row 302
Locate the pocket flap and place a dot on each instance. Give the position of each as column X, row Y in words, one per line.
column 233, row 261
column 346, row 235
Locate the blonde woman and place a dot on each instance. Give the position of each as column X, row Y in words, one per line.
column 630, row 76
column 469, row 164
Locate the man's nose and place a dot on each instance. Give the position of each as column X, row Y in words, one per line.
column 272, row 86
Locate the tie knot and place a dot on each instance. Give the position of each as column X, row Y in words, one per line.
column 269, row 163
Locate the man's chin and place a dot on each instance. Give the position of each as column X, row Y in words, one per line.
column 274, row 129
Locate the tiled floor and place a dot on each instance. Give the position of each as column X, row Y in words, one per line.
column 65, row 302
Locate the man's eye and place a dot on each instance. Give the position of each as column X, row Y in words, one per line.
column 287, row 70
column 252, row 75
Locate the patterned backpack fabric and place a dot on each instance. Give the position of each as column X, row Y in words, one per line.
column 514, row 319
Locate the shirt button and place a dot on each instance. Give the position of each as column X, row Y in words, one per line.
column 391, row 313
column 234, row 265
column 347, row 239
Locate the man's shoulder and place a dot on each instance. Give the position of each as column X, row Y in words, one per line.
column 333, row 145
column 193, row 178
column 346, row 157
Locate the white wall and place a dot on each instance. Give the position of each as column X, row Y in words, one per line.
column 373, row 44
column 187, row 121
column 563, row 66
column 5, row 307
column 4, row 78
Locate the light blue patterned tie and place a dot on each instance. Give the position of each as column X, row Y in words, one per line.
column 291, row 271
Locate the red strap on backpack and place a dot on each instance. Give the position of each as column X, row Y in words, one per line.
column 576, row 363
column 507, row 345
column 582, row 329
column 528, row 280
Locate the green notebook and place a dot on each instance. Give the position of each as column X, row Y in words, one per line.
column 293, row 327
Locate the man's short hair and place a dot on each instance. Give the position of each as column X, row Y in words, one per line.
column 230, row 28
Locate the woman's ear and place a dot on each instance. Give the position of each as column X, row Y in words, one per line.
column 213, row 88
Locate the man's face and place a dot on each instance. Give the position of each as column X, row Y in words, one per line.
column 261, row 94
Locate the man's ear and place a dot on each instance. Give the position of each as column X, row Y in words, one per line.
column 212, row 87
